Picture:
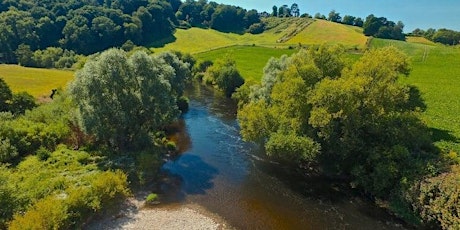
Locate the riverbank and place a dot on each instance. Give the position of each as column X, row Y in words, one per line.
column 134, row 214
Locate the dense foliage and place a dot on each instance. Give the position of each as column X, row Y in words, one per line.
column 81, row 26
column 224, row 75
column 29, row 28
column 16, row 103
column 381, row 27
column 356, row 121
column 121, row 100
column 59, row 192
column 444, row 36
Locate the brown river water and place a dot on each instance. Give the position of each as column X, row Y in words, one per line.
column 232, row 179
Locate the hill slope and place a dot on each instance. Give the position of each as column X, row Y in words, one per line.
column 281, row 33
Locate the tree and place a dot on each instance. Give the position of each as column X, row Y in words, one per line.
column 383, row 28
column 356, row 121
column 120, row 100
column 225, row 75
column 284, row 11
column 358, row 22
column 295, row 10
column 348, row 20
column 275, row 11
column 5, row 96
column 334, row 16
column 24, row 55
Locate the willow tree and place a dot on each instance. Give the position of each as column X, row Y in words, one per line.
column 121, row 99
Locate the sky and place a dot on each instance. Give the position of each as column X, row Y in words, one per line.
column 414, row 14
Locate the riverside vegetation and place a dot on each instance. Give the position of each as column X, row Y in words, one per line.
column 334, row 108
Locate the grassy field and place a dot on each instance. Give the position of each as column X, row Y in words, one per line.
column 250, row 61
column 322, row 31
column 436, row 72
column 291, row 31
column 38, row 82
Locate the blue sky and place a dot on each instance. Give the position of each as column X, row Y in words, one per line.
column 421, row 14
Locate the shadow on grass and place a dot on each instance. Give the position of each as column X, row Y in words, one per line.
column 443, row 135
column 164, row 41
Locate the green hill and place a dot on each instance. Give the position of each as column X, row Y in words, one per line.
column 281, row 33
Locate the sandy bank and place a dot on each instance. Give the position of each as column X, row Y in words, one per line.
column 134, row 215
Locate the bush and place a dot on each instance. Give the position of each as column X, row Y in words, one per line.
column 291, row 147
column 183, row 104
column 21, row 102
column 49, row 213
column 43, row 154
column 257, row 28
column 7, row 151
column 437, row 199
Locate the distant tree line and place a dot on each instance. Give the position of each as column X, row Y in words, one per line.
column 89, row 26
column 379, row 27
column 286, row 11
column 216, row 16
column 444, row 36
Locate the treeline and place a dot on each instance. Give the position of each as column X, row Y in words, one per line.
column 220, row 17
column 444, row 36
column 379, row 27
column 90, row 26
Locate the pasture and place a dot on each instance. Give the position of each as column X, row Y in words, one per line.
column 436, row 72
column 37, row 82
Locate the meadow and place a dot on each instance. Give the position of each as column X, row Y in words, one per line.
column 436, row 72
column 250, row 60
column 37, row 82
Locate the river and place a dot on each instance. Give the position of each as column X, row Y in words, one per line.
column 232, row 179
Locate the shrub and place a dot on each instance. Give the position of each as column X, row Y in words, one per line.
column 21, row 102
column 183, row 104
column 7, row 151
column 151, row 198
column 291, row 147
column 257, row 28
column 437, row 199
column 49, row 213
column 43, row 154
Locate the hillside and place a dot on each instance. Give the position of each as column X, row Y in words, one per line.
column 38, row 82
column 281, row 33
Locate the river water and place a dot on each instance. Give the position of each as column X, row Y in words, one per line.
column 231, row 178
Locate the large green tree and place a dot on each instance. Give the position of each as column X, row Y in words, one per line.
column 357, row 121
column 121, row 99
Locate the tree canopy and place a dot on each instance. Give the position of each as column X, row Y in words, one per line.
column 121, row 99
column 355, row 121
column 90, row 26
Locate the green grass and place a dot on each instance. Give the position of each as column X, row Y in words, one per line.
column 436, row 72
column 250, row 61
column 322, row 31
column 38, row 82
